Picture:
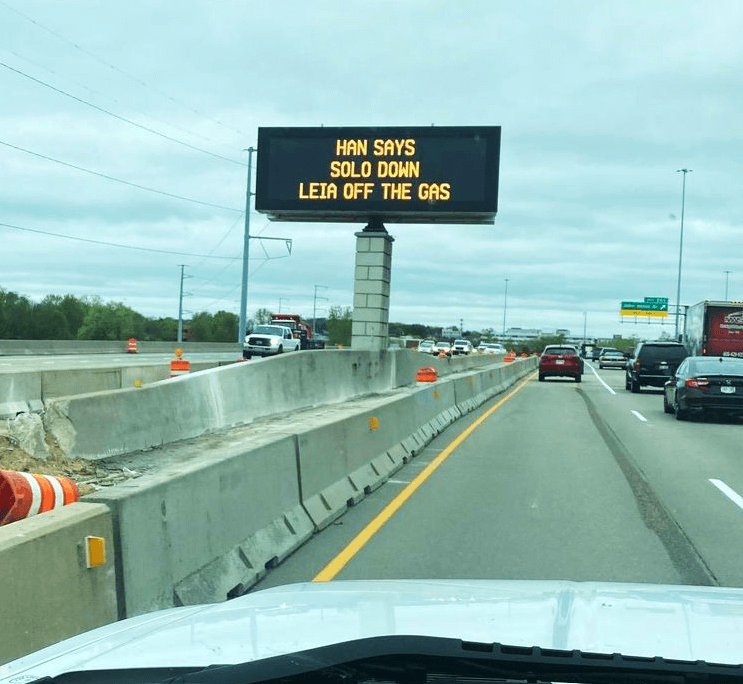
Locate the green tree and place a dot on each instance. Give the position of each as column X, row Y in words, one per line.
column 225, row 326
column 16, row 317
column 112, row 321
column 339, row 325
column 262, row 316
column 163, row 329
column 202, row 327
column 74, row 311
column 49, row 321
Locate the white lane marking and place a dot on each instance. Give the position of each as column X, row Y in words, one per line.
column 731, row 494
column 405, row 482
column 639, row 415
column 601, row 379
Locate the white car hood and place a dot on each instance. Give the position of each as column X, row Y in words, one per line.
column 679, row 622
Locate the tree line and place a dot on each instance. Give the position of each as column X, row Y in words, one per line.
column 66, row 317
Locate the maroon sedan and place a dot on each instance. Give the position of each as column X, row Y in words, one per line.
column 559, row 360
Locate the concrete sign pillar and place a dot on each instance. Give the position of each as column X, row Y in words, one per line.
column 371, row 292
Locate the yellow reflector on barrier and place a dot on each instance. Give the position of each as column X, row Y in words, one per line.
column 95, row 551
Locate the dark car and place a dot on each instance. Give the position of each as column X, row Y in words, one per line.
column 652, row 363
column 557, row 360
column 709, row 383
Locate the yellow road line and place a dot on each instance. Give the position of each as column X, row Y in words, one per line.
column 357, row 543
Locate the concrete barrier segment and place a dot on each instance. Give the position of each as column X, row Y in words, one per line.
column 336, row 459
column 48, row 591
column 10, row 409
column 17, row 391
column 98, row 425
column 208, row 522
column 56, row 347
column 63, row 383
column 234, row 572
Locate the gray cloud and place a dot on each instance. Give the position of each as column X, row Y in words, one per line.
column 600, row 103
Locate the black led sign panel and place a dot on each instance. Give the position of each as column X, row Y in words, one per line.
column 436, row 174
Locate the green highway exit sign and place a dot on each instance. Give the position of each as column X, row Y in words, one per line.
column 652, row 306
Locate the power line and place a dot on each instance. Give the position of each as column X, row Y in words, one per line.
column 214, row 249
column 120, row 118
column 111, row 99
column 113, row 244
column 118, row 69
column 119, row 180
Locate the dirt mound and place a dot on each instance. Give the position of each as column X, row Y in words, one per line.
column 84, row 473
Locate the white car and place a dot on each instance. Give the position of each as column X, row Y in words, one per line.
column 462, row 347
column 394, row 631
column 491, row 348
column 612, row 358
column 426, row 346
column 439, row 347
column 269, row 340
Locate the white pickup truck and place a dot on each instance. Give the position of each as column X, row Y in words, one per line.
column 268, row 340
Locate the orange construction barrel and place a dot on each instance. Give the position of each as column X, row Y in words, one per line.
column 179, row 365
column 132, row 346
column 427, row 374
column 25, row 494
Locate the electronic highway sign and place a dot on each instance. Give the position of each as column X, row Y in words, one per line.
column 427, row 174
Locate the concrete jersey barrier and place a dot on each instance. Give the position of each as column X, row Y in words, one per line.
column 48, row 592
column 212, row 515
column 102, row 424
column 251, row 495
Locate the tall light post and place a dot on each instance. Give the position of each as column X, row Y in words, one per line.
column 585, row 321
column 681, row 248
column 314, row 306
column 180, row 302
column 505, row 306
column 243, row 319
column 727, row 273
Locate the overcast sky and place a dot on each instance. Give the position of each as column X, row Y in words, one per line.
column 600, row 103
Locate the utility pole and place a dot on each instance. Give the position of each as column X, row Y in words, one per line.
column 314, row 306
column 180, row 304
column 585, row 320
column 246, row 250
column 505, row 304
column 727, row 273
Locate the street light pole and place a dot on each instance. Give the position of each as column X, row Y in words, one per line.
column 585, row 319
column 681, row 248
column 183, row 294
column 314, row 306
column 505, row 305
column 727, row 273
column 246, row 251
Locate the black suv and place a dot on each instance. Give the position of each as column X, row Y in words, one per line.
column 652, row 363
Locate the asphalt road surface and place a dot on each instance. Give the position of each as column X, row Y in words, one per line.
column 555, row 480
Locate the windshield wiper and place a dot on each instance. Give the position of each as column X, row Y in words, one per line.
column 415, row 659
column 418, row 660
